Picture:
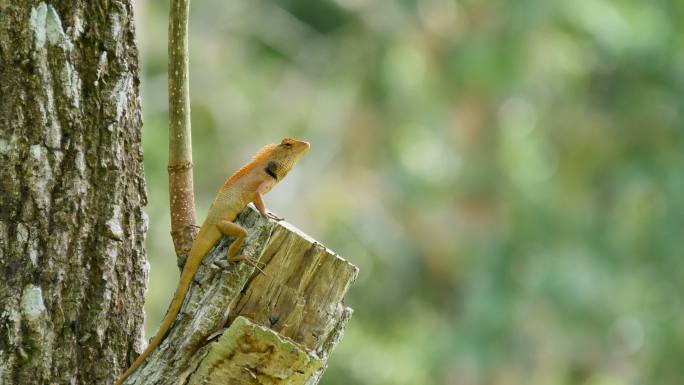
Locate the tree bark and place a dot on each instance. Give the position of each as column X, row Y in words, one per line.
column 73, row 268
column 281, row 325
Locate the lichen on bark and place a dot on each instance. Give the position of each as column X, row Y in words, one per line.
column 297, row 304
column 72, row 264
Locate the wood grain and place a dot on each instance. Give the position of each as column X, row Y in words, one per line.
column 299, row 300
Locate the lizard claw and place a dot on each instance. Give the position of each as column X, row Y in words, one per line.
column 251, row 261
column 276, row 218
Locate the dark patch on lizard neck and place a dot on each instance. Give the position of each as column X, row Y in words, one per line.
column 272, row 169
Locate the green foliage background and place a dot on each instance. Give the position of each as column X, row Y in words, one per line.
column 508, row 175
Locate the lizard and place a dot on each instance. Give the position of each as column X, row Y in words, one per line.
column 248, row 184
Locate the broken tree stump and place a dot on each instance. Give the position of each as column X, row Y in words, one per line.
column 238, row 326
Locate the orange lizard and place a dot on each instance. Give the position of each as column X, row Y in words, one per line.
column 248, row 184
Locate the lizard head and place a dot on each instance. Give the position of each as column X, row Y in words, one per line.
column 284, row 156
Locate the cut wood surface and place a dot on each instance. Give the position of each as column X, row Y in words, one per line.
column 281, row 325
column 247, row 353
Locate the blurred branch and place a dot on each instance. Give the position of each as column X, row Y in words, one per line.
column 181, row 193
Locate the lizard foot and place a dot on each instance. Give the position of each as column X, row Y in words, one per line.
column 276, row 218
column 249, row 260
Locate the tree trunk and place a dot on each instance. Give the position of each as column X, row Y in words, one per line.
column 281, row 325
column 72, row 263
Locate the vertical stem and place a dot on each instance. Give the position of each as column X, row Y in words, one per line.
column 181, row 193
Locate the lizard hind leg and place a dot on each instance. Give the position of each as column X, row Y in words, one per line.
column 234, row 230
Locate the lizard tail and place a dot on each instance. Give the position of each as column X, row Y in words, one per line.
column 195, row 256
column 166, row 324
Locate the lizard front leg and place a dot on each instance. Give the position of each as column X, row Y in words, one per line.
column 234, row 230
column 259, row 203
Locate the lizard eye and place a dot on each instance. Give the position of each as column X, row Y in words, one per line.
column 287, row 142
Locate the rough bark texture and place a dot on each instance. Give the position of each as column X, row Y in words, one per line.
column 288, row 320
column 72, row 264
